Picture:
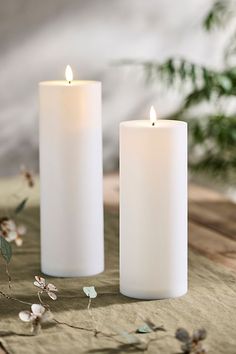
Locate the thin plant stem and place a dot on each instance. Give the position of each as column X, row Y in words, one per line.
column 14, row 299
column 83, row 297
column 92, row 317
column 41, row 301
column 72, row 326
column 95, row 331
column 8, row 275
column 89, row 303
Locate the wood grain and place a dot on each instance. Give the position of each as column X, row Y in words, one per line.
column 219, row 216
column 213, row 244
column 212, row 221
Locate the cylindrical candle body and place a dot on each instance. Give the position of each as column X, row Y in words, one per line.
column 71, row 178
column 153, row 209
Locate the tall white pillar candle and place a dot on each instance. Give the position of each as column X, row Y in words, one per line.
column 153, row 209
column 71, row 178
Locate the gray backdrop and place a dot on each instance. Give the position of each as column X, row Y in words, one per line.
column 38, row 39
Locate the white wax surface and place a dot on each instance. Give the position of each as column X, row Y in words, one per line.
column 153, row 209
column 71, row 178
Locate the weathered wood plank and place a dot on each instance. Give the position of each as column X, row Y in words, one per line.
column 219, row 216
column 212, row 221
column 212, row 245
column 200, row 193
column 213, row 210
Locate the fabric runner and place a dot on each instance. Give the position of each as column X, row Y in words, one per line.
column 210, row 303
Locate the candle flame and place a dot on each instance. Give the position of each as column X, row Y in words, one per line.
column 69, row 74
column 153, row 115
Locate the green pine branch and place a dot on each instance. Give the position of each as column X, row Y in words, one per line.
column 205, row 83
column 212, row 138
column 219, row 15
column 216, row 137
column 230, row 49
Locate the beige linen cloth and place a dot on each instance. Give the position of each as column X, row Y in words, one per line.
column 210, row 302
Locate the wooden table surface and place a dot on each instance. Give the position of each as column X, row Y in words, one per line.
column 212, row 221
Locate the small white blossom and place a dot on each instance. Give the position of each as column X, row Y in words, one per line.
column 50, row 289
column 36, row 317
column 11, row 232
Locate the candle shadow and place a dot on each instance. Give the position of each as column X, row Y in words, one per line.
column 25, row 264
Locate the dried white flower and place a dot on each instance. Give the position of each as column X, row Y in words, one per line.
column 36, row 317
column 50, row 289
column 11, row 232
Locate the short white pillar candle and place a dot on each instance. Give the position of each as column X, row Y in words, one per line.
column 71, row 177
column 153, row 208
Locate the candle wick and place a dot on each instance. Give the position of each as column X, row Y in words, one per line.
column 153, row 124
column 69, row 82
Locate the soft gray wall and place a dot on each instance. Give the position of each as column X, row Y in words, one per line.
column 38, row 39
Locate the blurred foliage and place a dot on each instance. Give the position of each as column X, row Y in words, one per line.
column 213, row 136
column 219, row 14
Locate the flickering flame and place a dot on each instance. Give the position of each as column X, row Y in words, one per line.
column 69, row 74
column 153, row 115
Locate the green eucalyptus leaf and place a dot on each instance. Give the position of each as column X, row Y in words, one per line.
column 144, row 329
column 90, row 291
column 20, row 206
column 6, row 249
column 225, row 82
